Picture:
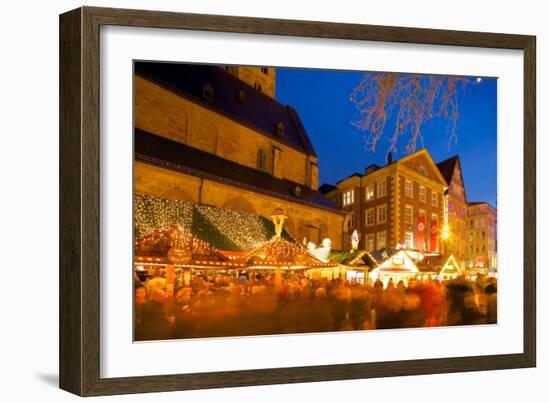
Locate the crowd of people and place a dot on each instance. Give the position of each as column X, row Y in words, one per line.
column 258, row 304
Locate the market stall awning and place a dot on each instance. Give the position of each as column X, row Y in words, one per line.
column 173, row 244
column 451, row 267
column 280, row 253
column 399, row 262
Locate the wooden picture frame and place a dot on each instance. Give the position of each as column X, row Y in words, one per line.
column 79, row 201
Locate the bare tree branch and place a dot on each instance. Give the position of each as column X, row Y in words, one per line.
column 417, row 99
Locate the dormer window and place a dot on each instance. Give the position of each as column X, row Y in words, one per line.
column 208, row 92
column 280, row 129
column 241, row 96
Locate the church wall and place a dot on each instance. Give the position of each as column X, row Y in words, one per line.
column 304, row 221
column 166, row 114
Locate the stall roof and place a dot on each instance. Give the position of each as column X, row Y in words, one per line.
column 400, row 261
column 282, row 253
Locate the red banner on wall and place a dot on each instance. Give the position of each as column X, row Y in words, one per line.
column 420, row 232
column 433, row 235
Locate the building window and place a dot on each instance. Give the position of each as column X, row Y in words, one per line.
column 471, row 248
column 369, row 241
column 370, row 192
column 408, row 214
column 422, row 194
column 280, row 129
column 381, row 213
column 408, row 188
column 351, row 221
column 260, row 160
column 258, row 86
column 422, row 171
column 347, row 198
column 422, row 213
column 483, row 235
column 434, row 199
column 409, row 239
column 208, row 92
column 381, row 188
column 381, row 240
column 370, row 216
column 264, row 70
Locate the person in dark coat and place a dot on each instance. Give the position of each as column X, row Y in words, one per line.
column 461, row 306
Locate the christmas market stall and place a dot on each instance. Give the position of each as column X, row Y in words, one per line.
column 178, row 254
column 357, row 264
column 399, row 266
column 283, row 257
column 450, row 270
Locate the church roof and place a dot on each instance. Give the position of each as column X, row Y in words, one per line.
column 252, row 108
column 158, row 150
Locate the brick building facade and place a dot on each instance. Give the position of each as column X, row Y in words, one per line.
column 401, row 203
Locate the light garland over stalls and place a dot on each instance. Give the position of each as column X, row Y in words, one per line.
column 152, row 214
column 163, row 239
column 247, row 231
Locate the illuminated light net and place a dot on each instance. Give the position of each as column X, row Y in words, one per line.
column 221, row 228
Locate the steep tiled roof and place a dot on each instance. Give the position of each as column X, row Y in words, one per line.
column 158, row 150
column 447, row 168
column 231, row 97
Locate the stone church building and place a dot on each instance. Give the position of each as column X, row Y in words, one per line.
column 217, row 136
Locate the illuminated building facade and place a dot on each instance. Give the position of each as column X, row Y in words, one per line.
column 400, row 204
column 482, row 236
column 455, row 240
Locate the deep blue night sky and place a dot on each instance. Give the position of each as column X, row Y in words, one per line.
column 321, row 97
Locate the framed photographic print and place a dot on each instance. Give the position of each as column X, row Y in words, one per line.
column 249, row 201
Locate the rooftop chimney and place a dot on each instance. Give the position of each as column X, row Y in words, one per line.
column 389, row 158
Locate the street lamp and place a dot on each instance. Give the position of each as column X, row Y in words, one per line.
column 445, row 234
